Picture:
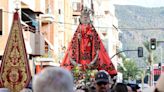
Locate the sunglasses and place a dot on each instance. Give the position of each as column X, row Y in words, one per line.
column 102, row 83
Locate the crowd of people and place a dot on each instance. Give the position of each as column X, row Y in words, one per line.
column 58, row 79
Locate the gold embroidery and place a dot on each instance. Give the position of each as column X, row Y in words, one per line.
column 15, row 74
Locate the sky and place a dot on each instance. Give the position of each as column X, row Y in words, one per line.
column 144, row 3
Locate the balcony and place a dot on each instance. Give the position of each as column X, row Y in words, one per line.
column 41, row 61
column 28, row 33
column 76, row 13
column 29, row 28
column 46, row 62
column 47, row 18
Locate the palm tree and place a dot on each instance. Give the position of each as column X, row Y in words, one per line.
column 132, row 71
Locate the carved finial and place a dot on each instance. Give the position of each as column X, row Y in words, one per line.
column 17, row 5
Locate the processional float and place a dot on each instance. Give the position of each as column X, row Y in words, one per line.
column 86, row 49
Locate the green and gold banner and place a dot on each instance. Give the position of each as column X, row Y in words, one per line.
column 15, row 72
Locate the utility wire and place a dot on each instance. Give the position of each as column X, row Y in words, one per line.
column 8, row 12
column 121, row 28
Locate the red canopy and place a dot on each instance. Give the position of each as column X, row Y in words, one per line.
column 87, row 50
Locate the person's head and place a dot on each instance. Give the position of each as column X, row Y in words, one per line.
column 134, row 87
column 103, row 81
column 53, row 79
column 120, row 87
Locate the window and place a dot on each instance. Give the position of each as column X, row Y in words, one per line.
column 76, row 6
column 106, row 12
column 0, row 21
column 59, row 11
column 75, row 20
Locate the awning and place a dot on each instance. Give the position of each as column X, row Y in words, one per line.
column 46, row 61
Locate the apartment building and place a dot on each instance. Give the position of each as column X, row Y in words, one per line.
column 76, row 8
column 106, row 25
column 43, row 24
column 3, row 29
column 49, row 25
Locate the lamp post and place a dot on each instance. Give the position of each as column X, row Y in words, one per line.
column 139, row 50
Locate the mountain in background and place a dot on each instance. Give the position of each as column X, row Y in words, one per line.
column 139, row 17
column 139, row 24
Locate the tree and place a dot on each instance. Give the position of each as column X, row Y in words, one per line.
column 132, row 71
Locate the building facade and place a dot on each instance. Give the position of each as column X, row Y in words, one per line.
column 43, row 24
column 106, row 25
column 49, row 25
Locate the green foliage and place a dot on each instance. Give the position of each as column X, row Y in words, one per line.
column 84, row 75
column 132, row 71
column 147, row 46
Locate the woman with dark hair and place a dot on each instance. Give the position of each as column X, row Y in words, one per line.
column 135, row 87
column 120, row 87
